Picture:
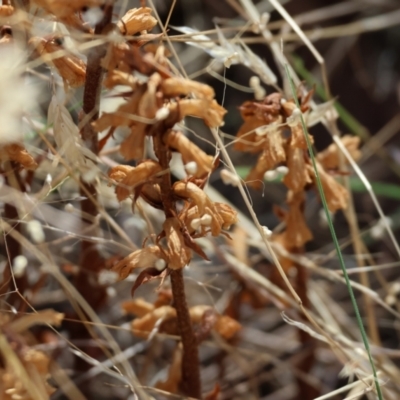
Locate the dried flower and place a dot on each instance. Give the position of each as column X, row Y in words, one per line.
column 190, row 152
column 209, row 111
column 329, row 158
column 202, row 212
column 143, row 258
column 143, row 326
column 71, row 68
column 336, row 195
column 17, row 153
column 273, row 153
column 129, row 177
column 137, row 20
column 296, row 234
column 178, row 254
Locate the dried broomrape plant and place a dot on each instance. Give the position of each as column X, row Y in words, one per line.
column 137, row 159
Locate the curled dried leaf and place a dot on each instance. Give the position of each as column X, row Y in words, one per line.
column 143, row 258
column 129, row 177
column 298, row 175
column 247, row 138
column 178, row 254
column 71, row 68
column 329, row 158
column 336, row 195
column 137, row 20
column 190, row 152
column 17, row 153
column 296, row 233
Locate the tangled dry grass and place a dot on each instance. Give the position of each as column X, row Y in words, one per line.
column 141, row 257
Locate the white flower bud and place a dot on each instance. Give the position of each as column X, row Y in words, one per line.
column 111, row 292
column 229, row 178
column 49, row 179
column 206, row 220
column 379, row 229
column 35, row 230
column 267, row 232
column 271, row 175
column 195, row 224
column 282, row 170
column 162, row 113
column 160, row 264
column 107, row 277
column 191, row 168
column 69, row 208
column 19, row 265
column 234, row 58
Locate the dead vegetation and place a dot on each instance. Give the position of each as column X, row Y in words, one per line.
column 126, row 273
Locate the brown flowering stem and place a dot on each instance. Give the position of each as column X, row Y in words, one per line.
column 190, row 361
column 91, row 261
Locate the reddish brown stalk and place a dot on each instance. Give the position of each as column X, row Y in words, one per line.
column 91, row 260
column 190, row 362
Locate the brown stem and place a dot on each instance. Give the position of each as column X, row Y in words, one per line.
column 91, row 260
column 191, row 384
column 190, row 362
